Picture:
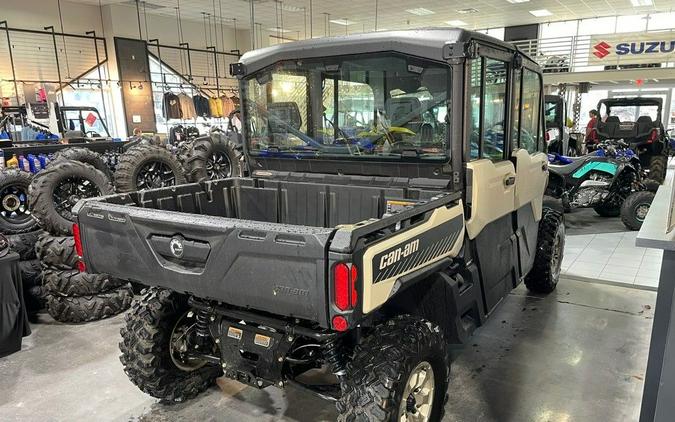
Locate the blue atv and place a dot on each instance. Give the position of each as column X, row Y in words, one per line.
column 610, row 180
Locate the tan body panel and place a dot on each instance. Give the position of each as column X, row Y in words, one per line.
column 377, row 293
column 531, row 178
column 491, row 197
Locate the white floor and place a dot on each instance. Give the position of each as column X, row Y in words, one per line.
column 613, row 258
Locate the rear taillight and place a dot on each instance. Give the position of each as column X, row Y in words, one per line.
column 78, row 248
column 344, row 286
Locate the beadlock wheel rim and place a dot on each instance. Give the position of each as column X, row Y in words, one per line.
column 641, row 212
column 556, row 258
column 69, row 191
column 218, row 166
column 418, row 396
column 155, row 174
column 14, row 205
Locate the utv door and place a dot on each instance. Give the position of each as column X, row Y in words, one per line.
column 491, row 175
column 531, row 164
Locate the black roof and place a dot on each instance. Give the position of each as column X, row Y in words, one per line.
column 429, row 43
column 648, row 101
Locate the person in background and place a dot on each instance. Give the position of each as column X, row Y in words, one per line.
column 137, row 132
column 592, row 124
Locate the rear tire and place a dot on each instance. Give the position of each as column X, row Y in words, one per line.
column 57, row 251
column 376, row 378
column 146, row 344
column 143, row 160
column 77, row 309
column 14, row 207
column 635, row 209
column 545, row 272
column 658, row 166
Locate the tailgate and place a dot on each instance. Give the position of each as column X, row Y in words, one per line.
column 270, row 267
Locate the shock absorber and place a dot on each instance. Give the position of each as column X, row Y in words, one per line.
column 331, row 353
column 202, row 328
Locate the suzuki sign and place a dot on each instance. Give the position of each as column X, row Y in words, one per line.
column 633, row 47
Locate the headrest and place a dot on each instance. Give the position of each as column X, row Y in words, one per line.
column 284, row 112
column 613, row 119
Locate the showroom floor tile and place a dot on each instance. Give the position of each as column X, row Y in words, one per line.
column 612, row 257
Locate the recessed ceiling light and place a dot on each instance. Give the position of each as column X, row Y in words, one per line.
column 283, row 31
column 639, row 3
column 517, row 1
column 467, row 11
column 420, row 11
column 456, row 22
column 343, row 22
column 540, row 13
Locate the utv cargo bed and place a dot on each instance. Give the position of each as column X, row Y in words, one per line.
column 248, row 242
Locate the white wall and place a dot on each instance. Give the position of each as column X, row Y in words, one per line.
column 35, row 14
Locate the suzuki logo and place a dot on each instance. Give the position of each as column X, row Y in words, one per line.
column 601, row 50
column 176, row 247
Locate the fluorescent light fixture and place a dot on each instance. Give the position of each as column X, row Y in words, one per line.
column 540, row 13
column 283, row 31
column 467, row 11
column 641, row 3
column 517, row 1
column 420, row 11
column 456, row 22
column 291, row 8
column 343, row 22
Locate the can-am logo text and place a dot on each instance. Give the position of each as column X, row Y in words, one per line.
column 603, row 49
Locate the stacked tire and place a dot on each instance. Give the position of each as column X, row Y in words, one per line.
column 72, row 296
column 211, row 157
column 22, row 231
column 75, row 296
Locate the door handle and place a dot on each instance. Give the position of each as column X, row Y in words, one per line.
column 510, row 181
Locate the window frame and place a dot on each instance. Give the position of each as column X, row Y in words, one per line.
column 540, row 121
column 505, row 56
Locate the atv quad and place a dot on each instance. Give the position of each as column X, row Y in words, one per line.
column 636, row 121
column 365, row 253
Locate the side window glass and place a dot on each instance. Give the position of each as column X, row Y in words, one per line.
column 530, row 129
column 474, row 106
column 516, row 108
column 494, row 105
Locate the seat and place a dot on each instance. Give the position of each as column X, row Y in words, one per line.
column 645, row 124
column 608, row 128
column 282, row 115
column 566, row 169
column 405, row 112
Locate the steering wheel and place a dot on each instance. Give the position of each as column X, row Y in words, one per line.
column 93, row 133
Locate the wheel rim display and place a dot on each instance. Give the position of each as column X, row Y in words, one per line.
column 641, row 212
column 179, row 346
column 14, row 205
column 418, row 396
column 69, row 191
column 155, row 174
column 218, row 166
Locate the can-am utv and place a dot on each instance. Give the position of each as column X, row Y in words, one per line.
column 369, row 236
column 636, row 121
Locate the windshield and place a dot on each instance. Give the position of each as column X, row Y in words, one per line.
column 383, row 106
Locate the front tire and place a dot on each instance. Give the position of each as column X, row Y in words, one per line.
column 401, row 351
column 658, row 165
column 146, row 349
column 635, row 209
column 545, row 272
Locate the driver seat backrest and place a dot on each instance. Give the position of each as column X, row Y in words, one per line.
column 287, row 112
column 645, row 124
column 402, row 111
column 608, row 128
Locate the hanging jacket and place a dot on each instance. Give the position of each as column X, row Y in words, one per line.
column 187, row 107
column 201, row 106
column 228, row 105
column 216, row 107
column 171, row 106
